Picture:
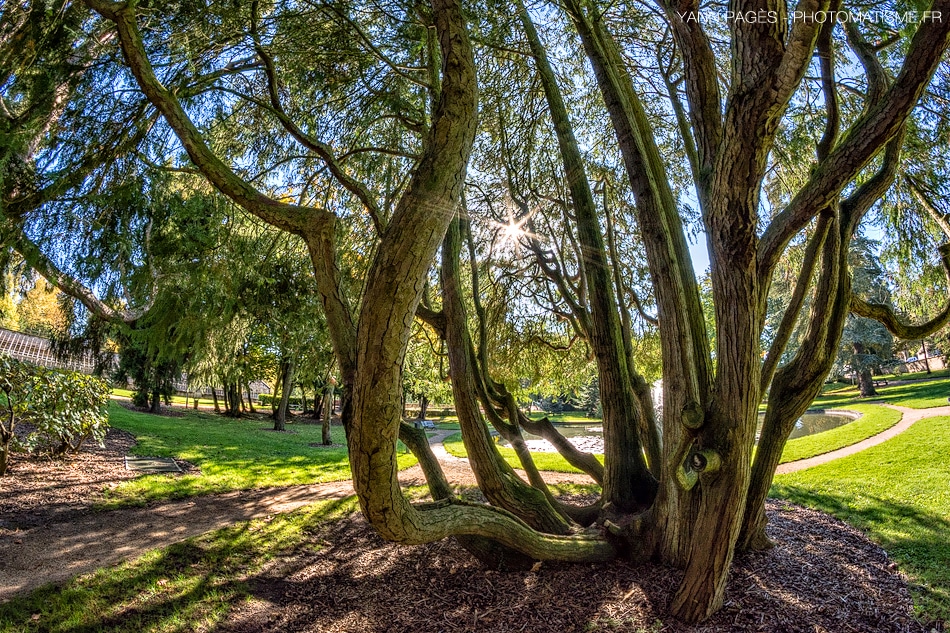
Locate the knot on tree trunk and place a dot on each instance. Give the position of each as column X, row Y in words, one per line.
column 697, row 462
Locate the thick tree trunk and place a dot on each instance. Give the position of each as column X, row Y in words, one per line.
column 686, row 359
column 866, row 383
column 214, row 397
column 423, row 407
column 327, row 415
column 865, row 380
column 156, row 403
column 232, row 401
column 286, row 387
column 720, row 453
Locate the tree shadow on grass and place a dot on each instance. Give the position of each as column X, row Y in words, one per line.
column 186, row 586
column 919, row 541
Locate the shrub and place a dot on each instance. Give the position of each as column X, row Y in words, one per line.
column 71, row 408
column 65, row 408
column 266, row 400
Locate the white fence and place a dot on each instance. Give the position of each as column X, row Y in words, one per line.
column 37, row 350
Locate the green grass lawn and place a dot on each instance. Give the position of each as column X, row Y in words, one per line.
column 920, row 375
column 544, row 461
column 922, row 394
column 897, row 492
column 189, row 586
column 873, row 420
column 233, row 454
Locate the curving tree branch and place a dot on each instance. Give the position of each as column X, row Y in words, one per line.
column 12, row 234
column 292, row 218
column 318, row 147
column 887, row 317
column 882, row 122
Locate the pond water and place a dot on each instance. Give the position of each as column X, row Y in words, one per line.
column 590, row 437
column 812, row 423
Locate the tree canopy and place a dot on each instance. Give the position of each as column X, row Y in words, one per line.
column 522, row 182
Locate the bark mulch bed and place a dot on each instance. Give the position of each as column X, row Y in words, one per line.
column 823, row 576
column 40, row 490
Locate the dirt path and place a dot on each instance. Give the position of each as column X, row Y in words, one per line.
column 908, row 418
column 58, row 551
column 79, row 541
column 75, row 542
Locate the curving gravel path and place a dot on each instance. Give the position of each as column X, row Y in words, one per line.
column 908, row 418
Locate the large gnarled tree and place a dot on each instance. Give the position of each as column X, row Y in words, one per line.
column 678, row 485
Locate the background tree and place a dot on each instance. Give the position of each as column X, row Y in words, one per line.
column 363, row 154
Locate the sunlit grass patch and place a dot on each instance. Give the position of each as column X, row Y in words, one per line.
column 922, row 394
column 874, row 419
column 897, row 492
column 233, row 454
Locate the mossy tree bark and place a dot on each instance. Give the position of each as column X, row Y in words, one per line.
column 287, row 367
column 708, row 490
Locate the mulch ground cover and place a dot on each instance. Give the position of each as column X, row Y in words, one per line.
column 823, row 576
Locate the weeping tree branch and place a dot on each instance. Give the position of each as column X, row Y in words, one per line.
column 880, row 123
column 826, row 58
column 12, row 234
column 886, row 315
column 319, row 148
column 920, row 192
column 292, row 218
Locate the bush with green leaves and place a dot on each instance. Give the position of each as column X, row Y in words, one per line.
column 266, row 399
column 65, row 408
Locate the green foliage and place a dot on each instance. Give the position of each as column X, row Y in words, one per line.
column 267, row 400
column 67, row 408
column 589, row 399
column 426, row 367
column 897, row 493
column 153, row 375
column 64, row 408
column 41, row 311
